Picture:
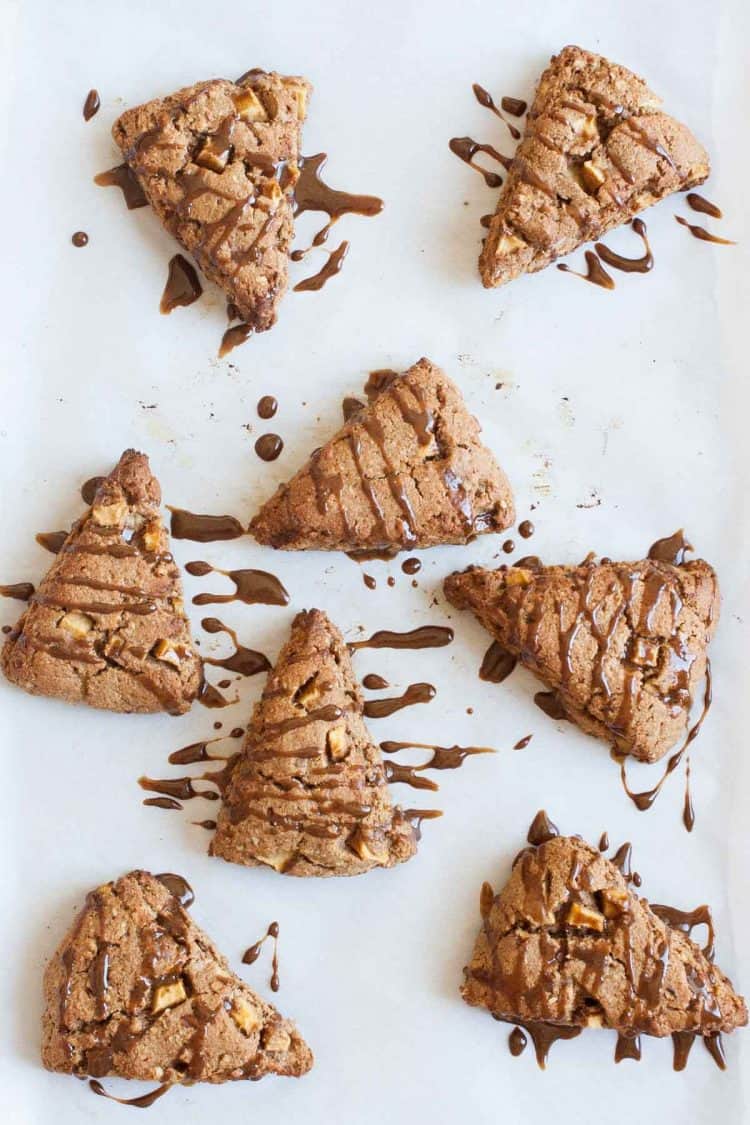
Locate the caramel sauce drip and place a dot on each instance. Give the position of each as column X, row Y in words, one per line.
column 703, row 235
column 269, row 446
column 233, row 337
column 244, row 661
column 21, row 591
column 178, row 886
column 52, row 541
column 442, row 758
column 182, row 287
column 89, row 489
column 629, row 265
column 251, row 955
column 203, row 529
column 79, row 239
column 125, row 179
column 330, row 268
column 516, row 106
column 595, row 272
column 415, row 693
column 627, row 1047
column 253, row 587
column 144, row 1101
column 485, row 99
column 523, row 742
column 466, row 148
column 267, row 407
column 687, row 921
column 426, row 636
column 91, row 105
column 163, row 803
column 497, row 664
column 541, row 830
column 699, row 203
column 671, row 549
column 373, row 682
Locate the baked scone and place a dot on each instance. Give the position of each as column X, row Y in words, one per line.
column 623, row 645
column 408, row 470
column 596, row 150
column 308, row 794
column 137, row 990
column 218, row 162
column 107, row 625
column 567, row 944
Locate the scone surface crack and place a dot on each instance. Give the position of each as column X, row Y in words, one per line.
column 597, row 149
column 218, row 162
column 409, row 470
column 136, row 990
column 107, row 624
column 308, row 793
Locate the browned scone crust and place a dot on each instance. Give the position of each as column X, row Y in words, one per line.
column 408, row 470
column 622, row 644
column 218, row 162
column 597, row 149
column 567, row 942
column 107, row 625
column 137, row 990
column 308, row 793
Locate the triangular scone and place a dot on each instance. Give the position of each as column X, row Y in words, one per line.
column 622, row 644
column 597, row 149
column 308, row 792
column 137, row 990
column 107, row 625
column 567, row 943
column 408, row 470
column 218, row 162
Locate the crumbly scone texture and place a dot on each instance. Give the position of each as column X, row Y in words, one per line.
column 137, row 990
column 218, row 162
column 622, row 644
column 597, row 149
column 107, row 625
column 568, row 942
column 408, row 470
column 308, row 793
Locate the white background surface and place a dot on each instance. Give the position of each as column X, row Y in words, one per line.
column 638, row 395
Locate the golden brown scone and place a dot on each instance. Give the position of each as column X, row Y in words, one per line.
column 623, row 645
column 218, row 162
column 597, row 149
column 408, row 470
column 137, row 990
column 107, row 625
column 567, row 943
column 308, row 792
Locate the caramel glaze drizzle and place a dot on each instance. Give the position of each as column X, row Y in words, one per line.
column 253, row 587
column 233, row 337
column 163, row 803
column 656, row 588
column 415, row 693
column 704, row 235
column 178, row 886
column 198, row 751
column 426, row 636
column 251, row 955
column 485, row 99
column 442, row 758
column 544, row 1033
column 629, row 265
column 245, row 661
column 329, row 486
column 466, row 148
